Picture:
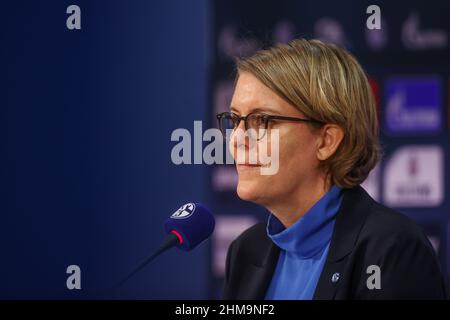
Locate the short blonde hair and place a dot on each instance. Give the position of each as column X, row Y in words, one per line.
column 327, row 84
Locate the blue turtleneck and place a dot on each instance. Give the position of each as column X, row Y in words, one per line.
column 304, row 248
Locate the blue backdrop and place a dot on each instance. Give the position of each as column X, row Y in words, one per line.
column 86, row 118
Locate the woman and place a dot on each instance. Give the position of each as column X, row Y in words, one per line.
column 325, row 238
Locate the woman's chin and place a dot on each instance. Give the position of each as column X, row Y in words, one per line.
column 248, row 192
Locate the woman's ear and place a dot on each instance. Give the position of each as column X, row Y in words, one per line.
column 331, row 136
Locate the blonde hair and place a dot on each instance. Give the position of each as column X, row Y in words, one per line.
column 327, row 84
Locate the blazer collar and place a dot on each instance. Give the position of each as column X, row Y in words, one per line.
column 350, row 219
column 259, row 273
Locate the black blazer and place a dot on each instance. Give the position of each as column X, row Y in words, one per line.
column 365, row 233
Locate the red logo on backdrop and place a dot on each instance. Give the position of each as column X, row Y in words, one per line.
column 412, row 166
column 376, row 92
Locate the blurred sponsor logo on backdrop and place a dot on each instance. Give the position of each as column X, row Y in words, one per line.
column 414, row 177
column 413, row 105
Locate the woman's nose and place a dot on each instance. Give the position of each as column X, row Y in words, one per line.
column 239, row 141
column 238, row 137
column 241, row 124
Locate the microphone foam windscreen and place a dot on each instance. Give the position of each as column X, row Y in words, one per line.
column 193, row 223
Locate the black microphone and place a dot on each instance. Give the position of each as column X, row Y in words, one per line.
column 186, row 228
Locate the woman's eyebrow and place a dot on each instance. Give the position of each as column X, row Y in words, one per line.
column 258, row 109
column 234, row 109
column 264, row 110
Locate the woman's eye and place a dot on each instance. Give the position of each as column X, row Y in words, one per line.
column 261, row 121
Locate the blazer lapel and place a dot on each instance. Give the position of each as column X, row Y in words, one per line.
column 349, row 221
column 258, row 274
column 329, row 280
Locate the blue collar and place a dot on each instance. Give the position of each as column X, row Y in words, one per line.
column 311, row 233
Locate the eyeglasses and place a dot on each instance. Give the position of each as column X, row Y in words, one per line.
column 256, row 123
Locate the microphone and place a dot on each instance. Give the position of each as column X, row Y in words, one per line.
column 191, row 224
column 186, row 228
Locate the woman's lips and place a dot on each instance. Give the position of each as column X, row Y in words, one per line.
column 246, row 166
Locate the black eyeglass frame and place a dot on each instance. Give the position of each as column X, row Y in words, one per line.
column 266, row 117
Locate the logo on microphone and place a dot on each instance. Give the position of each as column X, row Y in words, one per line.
column 184, row 212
